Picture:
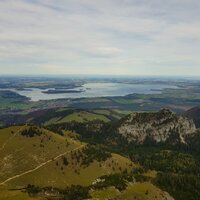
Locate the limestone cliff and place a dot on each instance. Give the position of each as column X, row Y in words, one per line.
column 157, row 127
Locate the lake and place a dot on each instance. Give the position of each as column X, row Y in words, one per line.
column 95, row 90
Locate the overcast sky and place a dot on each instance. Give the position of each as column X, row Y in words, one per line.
column 115, row 37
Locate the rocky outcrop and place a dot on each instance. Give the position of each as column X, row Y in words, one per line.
column 157, row 127
column 194, row 114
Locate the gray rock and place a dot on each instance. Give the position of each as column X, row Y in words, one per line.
column 155, row 126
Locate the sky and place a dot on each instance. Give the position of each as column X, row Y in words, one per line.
column 101, row 37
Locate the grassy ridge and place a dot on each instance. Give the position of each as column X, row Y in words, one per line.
column 25, row 151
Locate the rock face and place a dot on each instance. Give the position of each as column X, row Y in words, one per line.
column 158, row 127
column 194, row 114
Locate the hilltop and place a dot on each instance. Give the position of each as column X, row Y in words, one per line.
column 156, row 127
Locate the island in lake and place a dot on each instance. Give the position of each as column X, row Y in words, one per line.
column 62, row 91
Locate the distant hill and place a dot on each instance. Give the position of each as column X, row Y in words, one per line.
column 194, row 114
column 61, row 115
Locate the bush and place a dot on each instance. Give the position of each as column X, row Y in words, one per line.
column 31, row 132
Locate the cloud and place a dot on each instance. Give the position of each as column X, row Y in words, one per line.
column 91, row 36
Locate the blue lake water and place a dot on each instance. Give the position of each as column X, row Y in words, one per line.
column 96, row 90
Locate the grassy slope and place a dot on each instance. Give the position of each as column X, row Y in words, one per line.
column 107, row 193
column 136, row 191
column 61, row 175
column 22, row 153
column 6, row 194
column 145, row 191
column 114, row 114
column 83, row 117
column 6, row 133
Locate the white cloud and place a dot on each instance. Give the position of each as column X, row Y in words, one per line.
column 92, row 36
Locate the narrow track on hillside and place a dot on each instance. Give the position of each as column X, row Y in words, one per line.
column 41, row 165
column 10, row 138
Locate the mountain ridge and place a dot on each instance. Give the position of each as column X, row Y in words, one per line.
column 158, row 126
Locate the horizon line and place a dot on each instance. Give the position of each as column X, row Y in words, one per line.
column 132, row 75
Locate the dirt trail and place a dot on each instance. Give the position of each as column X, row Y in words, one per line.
column 10, row 138
column 39, row 166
